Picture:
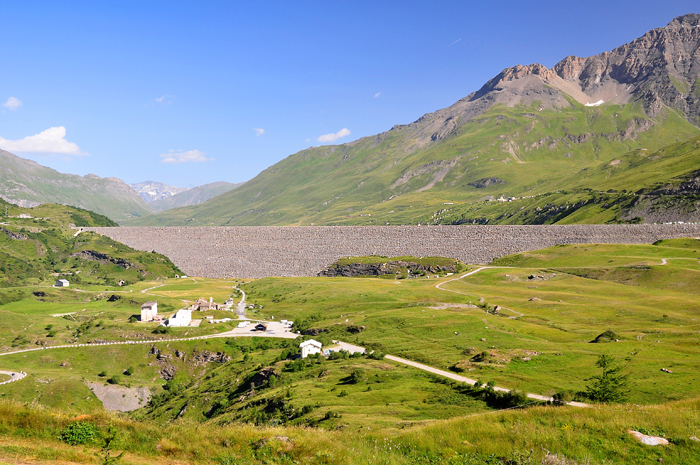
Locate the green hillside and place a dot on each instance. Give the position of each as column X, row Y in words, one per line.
column 40, row 247
column 404, row 177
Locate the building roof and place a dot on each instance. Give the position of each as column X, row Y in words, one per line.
column 310, row 342
column 149, row 304
column 62, row 280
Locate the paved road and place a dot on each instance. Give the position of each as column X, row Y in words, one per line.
column 14, row 376
column 240, row 308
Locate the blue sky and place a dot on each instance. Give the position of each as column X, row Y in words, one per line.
column 194, row 92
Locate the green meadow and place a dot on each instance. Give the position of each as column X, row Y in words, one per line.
column 526, row 322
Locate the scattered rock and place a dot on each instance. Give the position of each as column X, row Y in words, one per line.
column 114, row 298
column 533, row 299
column 649, row 440
column 541, row 277
column 483, row 339
column 65, row 364
column 666, row 370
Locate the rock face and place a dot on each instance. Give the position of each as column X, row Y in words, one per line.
column 660, row 68
column 257, row 252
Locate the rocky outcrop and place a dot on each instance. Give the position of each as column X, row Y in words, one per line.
column 383, row 268
column 15, row 236
column 103, row 258
column 202, row 357
column 486, row 182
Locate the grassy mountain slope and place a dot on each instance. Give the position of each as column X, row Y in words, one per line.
column 529, row 131
column 27, row 183
column 511, row 151
column 194, row 196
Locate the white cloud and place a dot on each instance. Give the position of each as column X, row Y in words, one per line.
column 12, row 103
column 53, row 140
column 166, row 99
column 259, row 131
column 334, row 137
column 178, row 156
column 377, row 94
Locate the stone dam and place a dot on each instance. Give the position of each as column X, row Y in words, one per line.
column 263, row 251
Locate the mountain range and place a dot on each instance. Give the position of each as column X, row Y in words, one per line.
column 608, row 138
column 27, row 183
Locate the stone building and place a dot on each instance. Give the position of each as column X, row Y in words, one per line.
column 149, row 311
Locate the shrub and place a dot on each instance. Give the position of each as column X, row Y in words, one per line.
column 115, row 379
column 102, row 374
column 357, row 375
column 79, row 432
column 564, row 396
column 129, row 371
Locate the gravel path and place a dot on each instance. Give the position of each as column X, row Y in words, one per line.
column 463, row 379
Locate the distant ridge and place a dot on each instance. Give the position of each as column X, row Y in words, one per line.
column 27, row 183
column 193, row 196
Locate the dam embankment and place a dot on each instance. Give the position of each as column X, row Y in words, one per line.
column 262, row 251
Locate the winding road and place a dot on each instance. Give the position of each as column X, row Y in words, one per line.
column 276, row 329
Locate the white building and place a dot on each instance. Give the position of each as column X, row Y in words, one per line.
column 62, row 283
column 181, row 318
column 310, row 347
column 149, row 311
